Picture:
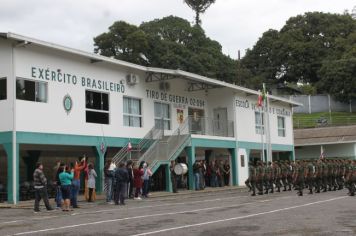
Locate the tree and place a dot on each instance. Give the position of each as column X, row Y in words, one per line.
column 199, row 6
column 170, row 42
column 338, row 76
column 123, row 41
column 299, row 50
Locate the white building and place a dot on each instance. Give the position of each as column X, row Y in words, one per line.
column 58, row 103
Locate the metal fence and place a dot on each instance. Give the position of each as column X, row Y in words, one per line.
column 321, row 103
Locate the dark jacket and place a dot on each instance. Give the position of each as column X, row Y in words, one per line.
column 121, row 175
column 131, row 177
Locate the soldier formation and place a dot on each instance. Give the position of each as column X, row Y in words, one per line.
column 319, row 175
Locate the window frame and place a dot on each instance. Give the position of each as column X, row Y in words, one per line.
column 129, row 115
column 283, row 129
column 259, row 127
column 164, row 119
column 36, row 90
column 5, row 94
column 102, row 110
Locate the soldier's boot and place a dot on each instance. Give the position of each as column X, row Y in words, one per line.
column 278, row 189
column 290, row 188
column 310, row 191
column 285, row 188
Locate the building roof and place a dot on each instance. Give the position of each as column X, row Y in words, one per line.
column 179, row 73
column 325, row 135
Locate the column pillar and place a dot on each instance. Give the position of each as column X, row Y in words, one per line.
column 169, row 187
column 99, row 169
column 234, row 166
column 13, row 176
column 191, row 160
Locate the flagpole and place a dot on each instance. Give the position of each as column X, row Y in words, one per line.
column 268, row 132
column 261, row 131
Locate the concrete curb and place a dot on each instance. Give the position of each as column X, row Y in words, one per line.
column 154, row 195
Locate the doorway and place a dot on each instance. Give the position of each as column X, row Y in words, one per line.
column 220, row 122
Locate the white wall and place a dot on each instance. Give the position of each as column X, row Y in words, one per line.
column 51, row 117
column 242, row 171
column 245, row 121
column 6, row 117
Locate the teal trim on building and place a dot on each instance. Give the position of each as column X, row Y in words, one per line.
column 11, row 184
column 213, row 143
column 169, row 187
column 69, row 139
column 234, row 166
column 6, row 137
column 191, row 160
column 257, row 146
column 99, row 169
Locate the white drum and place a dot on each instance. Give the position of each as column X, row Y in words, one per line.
column 180, row 169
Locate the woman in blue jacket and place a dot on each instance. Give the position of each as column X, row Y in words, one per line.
column 66, row 180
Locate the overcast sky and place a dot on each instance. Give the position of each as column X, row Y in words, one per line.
column 235, row 24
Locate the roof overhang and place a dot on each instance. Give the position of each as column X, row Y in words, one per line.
column 197, row 82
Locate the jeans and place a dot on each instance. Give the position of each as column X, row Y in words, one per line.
column 145, row 187
column 41, row 193
column 214, row 181
column 197, row 181
column 74, row 192
column 120, row 192
column 109, row 184
column 59, row 197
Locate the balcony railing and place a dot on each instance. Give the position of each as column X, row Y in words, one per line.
column 211, row 127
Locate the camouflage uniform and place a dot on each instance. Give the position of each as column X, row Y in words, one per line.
column 277, row 176
column 252, row 178
column 299, row 177
column 309, row 173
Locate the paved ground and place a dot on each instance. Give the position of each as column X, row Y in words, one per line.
column 229, row 212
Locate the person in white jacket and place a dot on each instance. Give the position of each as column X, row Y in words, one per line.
column 91, row 181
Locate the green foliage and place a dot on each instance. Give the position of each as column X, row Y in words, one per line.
column 123, row 41
column 308, row 89
column 308, row 49
column 199, row 7
column 170, row 42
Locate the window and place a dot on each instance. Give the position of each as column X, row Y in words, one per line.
column 31, row 90
column 3, row 89
column 97, row 107
column 281, row 126
column 162, row 114
column 259, row 123
column 132, row 112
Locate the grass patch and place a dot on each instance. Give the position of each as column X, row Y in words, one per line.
column 322, row 119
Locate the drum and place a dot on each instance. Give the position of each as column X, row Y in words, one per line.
column 180, row 169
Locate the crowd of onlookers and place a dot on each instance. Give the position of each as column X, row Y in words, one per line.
column 122, row 181
column 67, row 180
column 126, row 181
column 213, row 174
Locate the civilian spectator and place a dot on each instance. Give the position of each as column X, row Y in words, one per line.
column 66, row 178
column 91, row 181
column 40, row 185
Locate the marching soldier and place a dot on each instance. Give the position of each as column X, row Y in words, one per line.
column 310, row 171
column 277, row 176
column 252, row 178
column 290, row 170
column 260, row 176
column 318, row 175
column 268, row 178
column 298, row 177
